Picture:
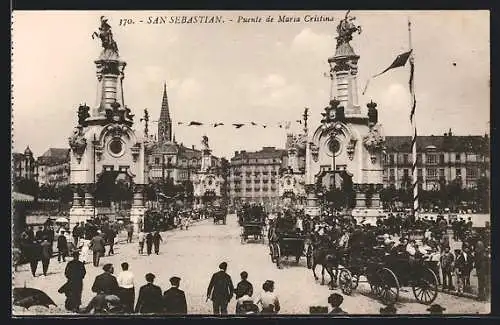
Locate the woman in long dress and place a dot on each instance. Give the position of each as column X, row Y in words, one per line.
column 84, row 246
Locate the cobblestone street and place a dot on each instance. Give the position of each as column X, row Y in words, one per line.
column 195, row 254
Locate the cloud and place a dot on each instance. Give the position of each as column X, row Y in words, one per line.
column 308, row 41
column 396, row 97
column 189, row 88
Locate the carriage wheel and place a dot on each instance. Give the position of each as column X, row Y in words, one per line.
column 426, row 287
column 345, row 281
column 389, row 286
column 309, row 257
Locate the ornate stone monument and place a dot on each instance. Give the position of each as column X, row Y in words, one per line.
column 206, row 182
column 104, row 143
column 291, row 183
column 348, row 144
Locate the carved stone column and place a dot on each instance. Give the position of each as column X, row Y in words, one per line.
column 77, row 199
column 88, row 200
column 360, row 196
column 81, row 211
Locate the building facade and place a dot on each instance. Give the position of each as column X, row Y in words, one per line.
column 254, row 176
column 167, row 159
column 54, row 167
column 24, row 165
column 440, row 160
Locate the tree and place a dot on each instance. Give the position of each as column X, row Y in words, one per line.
column 483, row 194
column 65, row 194
column 225, row 167
column 26, row 186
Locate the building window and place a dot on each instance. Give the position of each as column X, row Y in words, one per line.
column 431, row 159
column 441, row 159
column 405, row 172
column 392, row 172
column 441, row 172
column 457, row 157
column 458, row 172
column 431, row 173
column 391, row 159
column 157, row 161
column 419, row 158
column 385, row 158
column 471, row 172
column 405, row 158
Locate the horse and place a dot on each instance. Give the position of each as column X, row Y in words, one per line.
column 329, row 257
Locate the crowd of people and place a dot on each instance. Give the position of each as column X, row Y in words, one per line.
column 425, row 238
column 116, row 294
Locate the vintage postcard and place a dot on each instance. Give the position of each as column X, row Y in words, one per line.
column 250, row 162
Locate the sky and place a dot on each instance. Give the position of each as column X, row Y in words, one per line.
column 240, row 72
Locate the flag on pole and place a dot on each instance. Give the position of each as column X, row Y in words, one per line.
column 400, row 61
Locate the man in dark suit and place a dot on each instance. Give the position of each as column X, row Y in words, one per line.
column 46, row 255
column 97, row 245
column 174, row 299
column 62, row 247
column 150, row 298
column 74, row 272
column 220, row 290
column 106, row 281
column 464, row 264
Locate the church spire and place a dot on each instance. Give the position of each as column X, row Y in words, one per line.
column 164, row 123
column 165, row 112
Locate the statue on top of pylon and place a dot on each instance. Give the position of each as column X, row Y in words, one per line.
column 346, row 28
column 106, row 36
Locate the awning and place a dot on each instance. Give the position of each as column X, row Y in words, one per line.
column 21, row 197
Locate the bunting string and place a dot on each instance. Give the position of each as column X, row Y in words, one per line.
column 286, row 125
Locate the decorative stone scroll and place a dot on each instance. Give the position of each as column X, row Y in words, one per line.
column 78, row 143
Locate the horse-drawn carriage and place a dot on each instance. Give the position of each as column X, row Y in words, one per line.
column 252, row 221
column 387, row 273
column 285, row 240
column 219, row 214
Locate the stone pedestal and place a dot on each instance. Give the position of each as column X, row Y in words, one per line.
column 312, row 207
column 82, row 209
column 138, row 209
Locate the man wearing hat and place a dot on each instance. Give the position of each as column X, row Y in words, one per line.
column 335, row 300
column 62, row 247
column 97, row 246
column 74, row 272
column 436, row 309
column 174, row 299
column 150, row 299
column 106, row 281
column 220, row 290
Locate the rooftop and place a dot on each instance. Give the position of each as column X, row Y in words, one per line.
column 54, row 156
column 447, row 143
column 266, row 152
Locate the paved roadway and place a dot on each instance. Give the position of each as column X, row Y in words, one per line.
column 196, row 253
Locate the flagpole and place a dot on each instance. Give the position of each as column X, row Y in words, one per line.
column 413, row 127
